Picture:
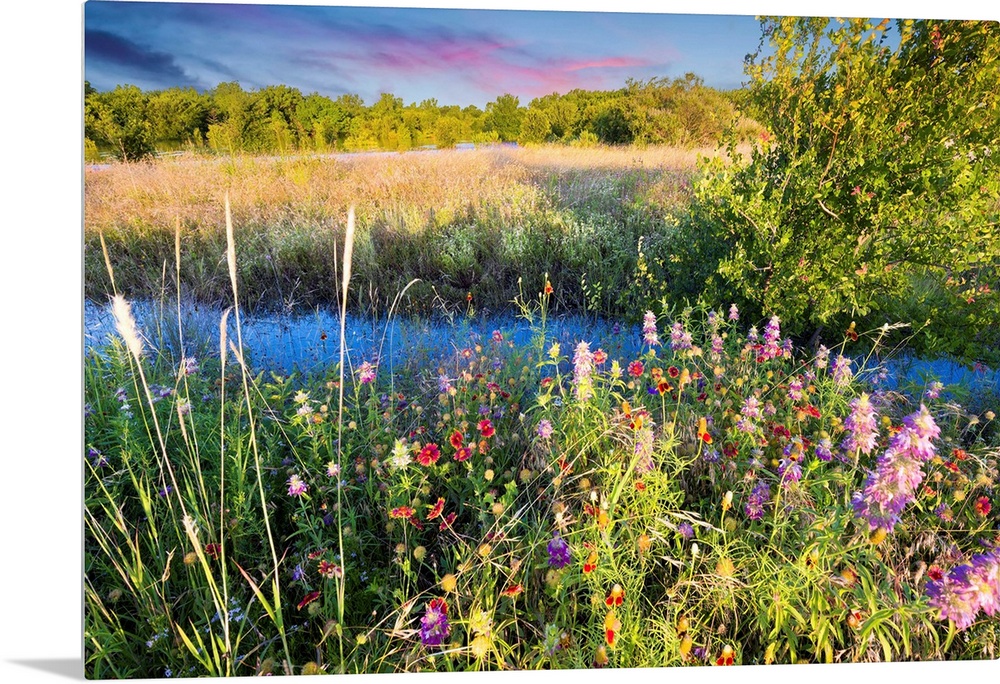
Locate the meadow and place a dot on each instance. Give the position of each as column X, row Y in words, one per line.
column 675, row 484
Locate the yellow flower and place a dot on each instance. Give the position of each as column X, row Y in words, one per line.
column 420, row 552
column 480, row 646
column 449, row 582
column 727, row 501
column 685, row 647
column 878, row 536
column 725, row 567
column 484, row 550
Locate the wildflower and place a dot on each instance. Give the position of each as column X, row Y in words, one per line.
column 463, row 454
column 795, row 389
column 680, row 339
column 686, row 530
column 544, row 429
column 559, row 552
column 309, row 598
column 447, row 521
column 548, row 288
column 601, row 656
column 954, row 597
column 862, row 426
column 296, row 487
column 436, row 509
column 841, row 371
column 456, row 439
column 649, row 336
column 513, row 590
column 583, row 366
column 734, row 313
column 591, row 563
column 600, row 356
column 486, row 428
column 789, row 471
column 400, row 455
column 449, row 582
column 759, row 496
column 727, row 657
column 934, row 390
column 644, row 542
column 330, row 570
column 616, row 597
column 982, row 506
column 401, row 512
column 434, row 628
column 429, row 455
column 611, row 628
column 717, row 347
column 98, row 459
column 772, row 333
column 824, row 449
column 685, row 646
column 751, row 408
column 420, row 552
column 444, row 385
column 635, row 369
column 497, row 337
column 703, row 434
column 985, row 580
column 332, row 469
column 822, row 357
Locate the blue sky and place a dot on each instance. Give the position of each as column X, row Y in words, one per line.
column 457, row 56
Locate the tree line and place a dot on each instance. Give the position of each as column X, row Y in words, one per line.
column 130, row 124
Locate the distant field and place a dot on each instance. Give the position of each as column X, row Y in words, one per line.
column 469, row 221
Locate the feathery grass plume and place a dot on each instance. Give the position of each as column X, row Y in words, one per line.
column 230, row 246
column 125, row 323
column 107, row 262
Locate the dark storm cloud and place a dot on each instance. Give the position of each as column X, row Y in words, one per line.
column 140, row 62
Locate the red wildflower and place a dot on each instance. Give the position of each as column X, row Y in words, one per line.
column 959, row 454
column 640, row 486
column 456, row 439
column 935, row 573
column 635, row 369
column 463, row 454
column 616, row 597
column 591, row 563
column 982, row 506
column 415, row 521
column 213, row 551
column 813, row 411
column 546, row 382
column 727, row 657
column 398, row 512
column 673, row 371
column 447, row 521
column 611, row 626
column 436, row 509
column 310, row 597
column 330, row 570
column 486, row 427
column 313, row 555
column 513, row 590
column 600, row 356
column 429, row 455
column 548, row 287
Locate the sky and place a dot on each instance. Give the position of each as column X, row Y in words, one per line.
column 457, row 56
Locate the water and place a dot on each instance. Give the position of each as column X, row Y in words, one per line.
column 309, row 343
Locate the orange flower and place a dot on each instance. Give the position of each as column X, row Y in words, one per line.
column 854, row 619
column 591, row 563
column 600, row 356
column 640, row 486
column 548, row 287
column 682, row 625
column 513, row 590
column 602, row 520
column 463, row 454
column 456, row 439
column 616, row 597
column 727, row 657
column 401, row 512
column 644, row 543
column 436, row 509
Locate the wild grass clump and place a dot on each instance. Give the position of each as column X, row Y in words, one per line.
column 721, row 497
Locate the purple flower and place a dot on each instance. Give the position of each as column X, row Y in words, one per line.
column 824, row 449
column 822, row 357
column 772, row 334
column 444, row 384
column 954, row 597
column 985, row 580
column 298, row 573
column 841, row 371
column 366, row 373
column 649, row 335
column 759, row 496
column 934, row 390
column 861, row 425
column 544, row 429
column 686, row 530
column 718, row 345
column 751, row 408
column 296, row 487
column 795, row 389
column 434, row 627
column 559, row 553
column 789, row 471
column 680, row 339
column 97, row 457
column 583, row 366
column 734, row 313
column 189, row 366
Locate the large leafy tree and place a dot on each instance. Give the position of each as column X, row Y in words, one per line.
column 118, row 119
column 877, row 179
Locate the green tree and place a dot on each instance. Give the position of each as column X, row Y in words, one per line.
column 118, row 119
column 878, row 173
column 503, row 116
column 535, row 127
